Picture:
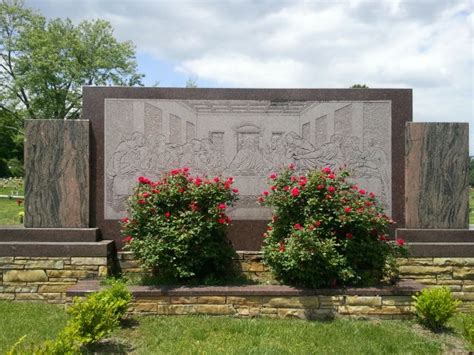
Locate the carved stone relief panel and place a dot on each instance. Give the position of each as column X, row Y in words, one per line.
column 244, row 139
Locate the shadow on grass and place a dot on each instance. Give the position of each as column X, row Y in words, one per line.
column 109, row 346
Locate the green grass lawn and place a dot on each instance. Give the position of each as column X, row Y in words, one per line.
column 9, row 209
column 211, row 335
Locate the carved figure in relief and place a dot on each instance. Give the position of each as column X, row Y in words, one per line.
column 125, row 166
column 249, row 159
column 297, row 151
column 275, row 152
column 373, row 166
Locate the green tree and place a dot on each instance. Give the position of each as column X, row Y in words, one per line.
column 44, row 64
column 359, row 86
column 191, row 83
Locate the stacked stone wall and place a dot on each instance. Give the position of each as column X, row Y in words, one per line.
column 46, row 278
column 455, row 273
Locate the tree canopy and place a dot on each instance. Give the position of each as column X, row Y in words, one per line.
column 44, row 63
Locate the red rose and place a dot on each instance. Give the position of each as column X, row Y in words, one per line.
column 124, row 220
column 181, row 190
column 261, row 199
column 302, row 183
column 273, row 188
column 317, row 223
column 331, row 189
column 265, row 193
column 185, row 169
column 382, row 238
column 144, row 180
column 354, row 187
column 281, row 247
column 194, row 206
column 141, row 202
column 198, row 181
column 175, row 171
column 298, row 226
column 155, row 191
column 295, row 191
column 349, row 235
column 145, row 195
column 127, row 239
column 273, row 176
column 222, row 220
column 331, row 176
column 371, row 195
column 269, row 228
column 167, row 214
column 222, row 206
column 400, row 242
column 347, row 209
column 235, row 191
column 320, row 187
column 216, row 179
column 291, row 166
column 286, row 188
column 326, row 170
column 362, row 191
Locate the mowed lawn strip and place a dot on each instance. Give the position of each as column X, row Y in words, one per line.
column 226, row 335
column 35, row 320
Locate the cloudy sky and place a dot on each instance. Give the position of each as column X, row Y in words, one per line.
column 427, row 45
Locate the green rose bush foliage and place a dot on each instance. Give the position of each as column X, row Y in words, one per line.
column 326, row 231
column 176, row 225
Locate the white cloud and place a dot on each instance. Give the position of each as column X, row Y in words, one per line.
column 426, row 44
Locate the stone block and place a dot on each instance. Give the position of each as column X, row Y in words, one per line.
column 184, row 300
column 330, row 301
column 415, row 261
column 252, row 266
column 57, row 152
column 80, row 274
column 425, row 270
column 54, row 287
column 174, row 309
column 214, row 309
column 103, row 271
column 45, row 264
column 464, row 296
column 25, row 276
column 246, row 311
column 7, row 296
column 291, row 302
column 436, row 175
column 468, row 288
column 6, row 260
column 453, row 261
column 139, row 307
column 463, row 273
column 293, row 313
column 211, row 300
column 245, row 301
column 89, row 261
column 372, row 301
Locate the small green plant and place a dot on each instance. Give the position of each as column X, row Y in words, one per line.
column 176, row 225
column 326, row 231
column 92, row 319
column 468, row 326
column 435, row 306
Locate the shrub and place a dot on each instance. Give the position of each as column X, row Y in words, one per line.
column 468, row 326
column 92, row 319
column 176, row 225
column 435, row 306
column 326, row 231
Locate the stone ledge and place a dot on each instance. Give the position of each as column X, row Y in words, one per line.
column 403, row 288
column 440, row 249
column 268, row 301
column 57, row 249
column 22, row 234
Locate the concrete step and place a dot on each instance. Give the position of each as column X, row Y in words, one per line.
column 441, row 250
column 22, row 234
column 57, row 249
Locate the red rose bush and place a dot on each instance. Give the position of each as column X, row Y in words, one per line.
column 326, row 231
column 176, row 225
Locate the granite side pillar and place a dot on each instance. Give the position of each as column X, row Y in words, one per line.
column 436, row 175
column 57, row 173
